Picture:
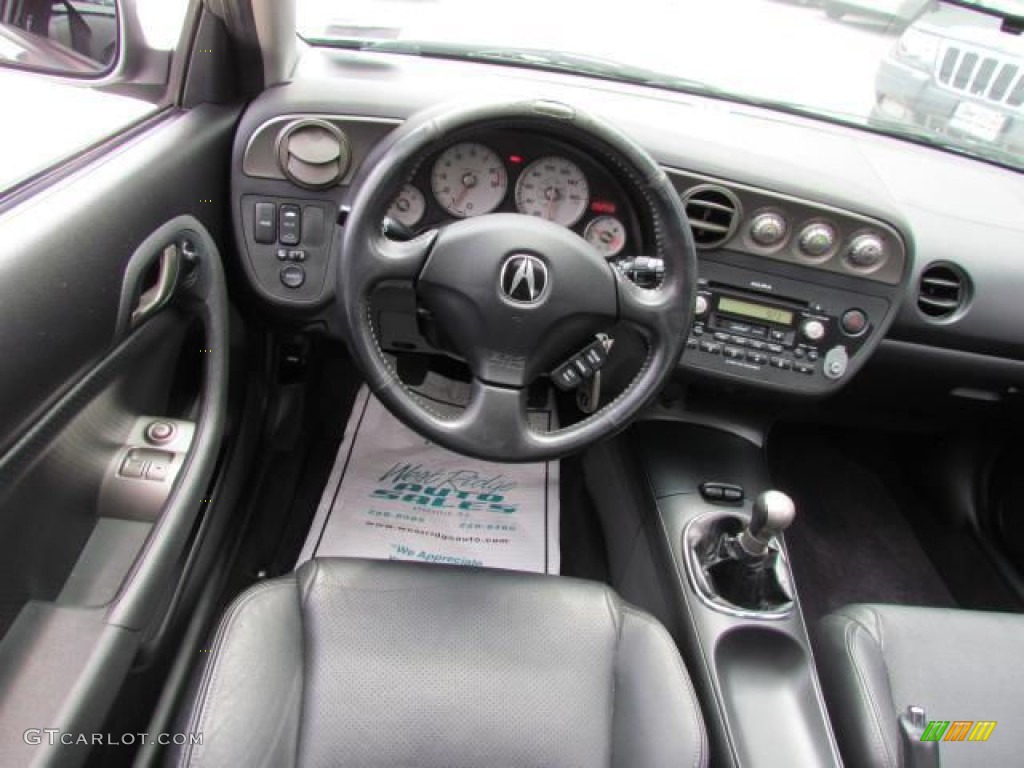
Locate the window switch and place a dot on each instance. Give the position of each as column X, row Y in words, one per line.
column 265, row 223
column 291, row 224
column 133, row 466
column 158, row 472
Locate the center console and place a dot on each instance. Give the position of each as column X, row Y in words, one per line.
column 793, row 295
column 695, row 535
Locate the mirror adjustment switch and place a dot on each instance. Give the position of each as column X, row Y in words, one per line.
column 265, row 223
column 291, row 225
column 293, row 276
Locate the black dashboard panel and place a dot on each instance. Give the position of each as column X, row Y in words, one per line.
column 925, row 206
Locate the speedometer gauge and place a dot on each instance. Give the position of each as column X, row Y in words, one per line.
column 607, row 235
column 469, row 180
column 553, row 188
column 408, row 207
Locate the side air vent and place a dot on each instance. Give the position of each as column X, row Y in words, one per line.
column 313, row 153
column 943, row 291
column 714, row 214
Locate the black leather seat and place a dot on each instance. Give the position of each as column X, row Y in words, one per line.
column 877, row 660
column 359, row 663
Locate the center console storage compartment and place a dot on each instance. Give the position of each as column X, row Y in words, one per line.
column 658, row 490
column 766, row 679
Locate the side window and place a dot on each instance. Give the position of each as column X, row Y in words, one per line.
column 76, row 72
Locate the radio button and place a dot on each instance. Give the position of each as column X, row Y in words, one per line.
column 732, row 325
column 813, row 330
column 854, row 322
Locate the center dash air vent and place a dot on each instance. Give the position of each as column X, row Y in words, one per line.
column 943, row 291
column 714, row 214
column 313, row 153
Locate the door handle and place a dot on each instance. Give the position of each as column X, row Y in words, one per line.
column 160, row 292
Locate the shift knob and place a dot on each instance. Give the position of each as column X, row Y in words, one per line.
column 773, row 513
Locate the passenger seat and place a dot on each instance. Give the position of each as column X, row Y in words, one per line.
column 963, row 667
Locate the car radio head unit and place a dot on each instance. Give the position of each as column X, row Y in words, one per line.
column 783, row 334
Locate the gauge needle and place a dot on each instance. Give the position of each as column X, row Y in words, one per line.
column 552, row 195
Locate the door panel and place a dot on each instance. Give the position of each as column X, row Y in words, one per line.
column 65, row 251
column 97, row 514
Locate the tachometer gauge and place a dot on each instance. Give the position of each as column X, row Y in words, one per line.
column 469, row 180
column 408, row 207
column 607, row 234
column 553, row 188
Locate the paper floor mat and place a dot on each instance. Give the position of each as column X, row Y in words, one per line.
column 393, row 495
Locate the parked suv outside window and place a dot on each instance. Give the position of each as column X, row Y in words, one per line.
column 954, row 73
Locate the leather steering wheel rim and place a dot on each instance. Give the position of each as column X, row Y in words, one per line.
column 494, row 426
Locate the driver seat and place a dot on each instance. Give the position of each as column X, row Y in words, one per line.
column 374, row 663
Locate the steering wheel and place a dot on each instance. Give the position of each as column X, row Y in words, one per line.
column 516, row 295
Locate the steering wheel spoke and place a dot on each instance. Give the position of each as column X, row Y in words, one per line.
column 645, row 308
column 398, row 259
column 496, row 417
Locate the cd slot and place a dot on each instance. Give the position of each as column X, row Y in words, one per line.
column 757, row 296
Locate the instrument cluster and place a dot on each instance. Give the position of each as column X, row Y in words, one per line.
column 529, row 174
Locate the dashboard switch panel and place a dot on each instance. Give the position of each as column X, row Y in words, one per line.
column 294, row 268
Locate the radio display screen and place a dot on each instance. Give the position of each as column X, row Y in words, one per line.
column 756, row 311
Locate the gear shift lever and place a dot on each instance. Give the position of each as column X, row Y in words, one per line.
column 773, row 513
column 741, row 567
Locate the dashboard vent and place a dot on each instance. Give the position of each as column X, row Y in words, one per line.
column 714, row 214
column 943, row 291
column 313, row 153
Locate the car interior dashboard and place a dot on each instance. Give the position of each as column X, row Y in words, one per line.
column 810, row 256
column 743, row 366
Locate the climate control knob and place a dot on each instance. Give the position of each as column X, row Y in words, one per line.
column 817, row 240
column 768, row 229
column 866, row 252
column 813, row 330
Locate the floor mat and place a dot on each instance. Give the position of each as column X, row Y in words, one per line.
column 394, row 495
column 849, row 543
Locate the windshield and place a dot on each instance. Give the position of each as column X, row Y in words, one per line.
column 939, row 73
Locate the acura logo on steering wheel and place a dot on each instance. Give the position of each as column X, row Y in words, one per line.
column 524, row 278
